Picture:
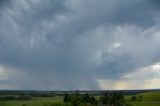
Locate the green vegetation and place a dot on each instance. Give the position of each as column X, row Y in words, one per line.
column 76, row 99
column 144, row 99
column 144, row 104
column 113, row 98
column 108, row 99
column 37, row 101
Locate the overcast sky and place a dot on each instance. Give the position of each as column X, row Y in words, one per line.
column 79, row 44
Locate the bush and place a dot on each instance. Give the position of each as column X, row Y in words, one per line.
column 23, row 105
column 139, row 97
column 134, row 98
column 67, row 98
column 113, row 98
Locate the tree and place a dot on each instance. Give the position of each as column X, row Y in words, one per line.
column 24, row 105
column 118, row 99
column 134, row 98
column 86, row 98
column 113, row 98
column 67, row 98
column 106, row 98
column 75, row 100
column 140, row 97
column 93, row 100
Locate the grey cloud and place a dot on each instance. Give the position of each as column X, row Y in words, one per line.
column 58, row 42
column 4, row 2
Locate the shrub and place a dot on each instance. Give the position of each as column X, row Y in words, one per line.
column 134, row 98
column 23, row 105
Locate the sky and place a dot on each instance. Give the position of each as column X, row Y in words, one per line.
column 79, row 44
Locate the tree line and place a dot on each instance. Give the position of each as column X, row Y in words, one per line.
column 107, row 99
column 14, row 97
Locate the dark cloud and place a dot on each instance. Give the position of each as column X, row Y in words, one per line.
column 155, row 3
column 4, row 2
column 71, row 44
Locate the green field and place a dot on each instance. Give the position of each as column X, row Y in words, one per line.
column 145, row 104
column 147, row 99
column 39, row 101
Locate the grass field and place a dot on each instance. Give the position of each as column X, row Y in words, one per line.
column 147, row 99
column 35, row 102
column 145, row 104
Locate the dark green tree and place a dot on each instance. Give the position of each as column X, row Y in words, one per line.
column 67, row 98
column 105, row 99
column 86, row 98
column 23, row 105
column 93, row 100
column 75, row 100
column 113, row 99
column 140, row 97
column 134, row 98
column 118, row 99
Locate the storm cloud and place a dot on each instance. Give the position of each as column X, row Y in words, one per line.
column 76, row 44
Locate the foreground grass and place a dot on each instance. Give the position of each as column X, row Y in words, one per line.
column 35, row 102
column 144, row 104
